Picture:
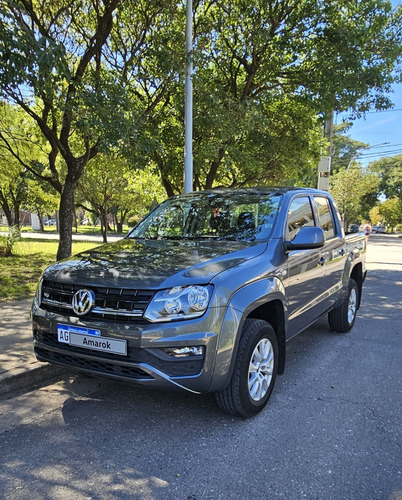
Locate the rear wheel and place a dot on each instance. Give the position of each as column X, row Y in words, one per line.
column 342, row 318
column 254, row 373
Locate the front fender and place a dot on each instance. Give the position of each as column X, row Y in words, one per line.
column 242, row 303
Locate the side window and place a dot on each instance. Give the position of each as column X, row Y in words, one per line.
column 300, row 214
column 325, row 217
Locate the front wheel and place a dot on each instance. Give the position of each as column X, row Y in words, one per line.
column 342, row 318
column 254, row 373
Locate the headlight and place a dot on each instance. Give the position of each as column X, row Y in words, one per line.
column 38, row 292
column 180, row 302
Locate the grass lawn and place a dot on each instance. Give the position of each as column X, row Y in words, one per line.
column 53, row 229
column 19, row 274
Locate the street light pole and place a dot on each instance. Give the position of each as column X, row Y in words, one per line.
column 324, row 166
column 188, row 107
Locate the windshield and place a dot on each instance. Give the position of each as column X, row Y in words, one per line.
column 231, row 216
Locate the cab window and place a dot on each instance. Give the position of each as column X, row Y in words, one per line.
column 300, row 215
column 325, row 216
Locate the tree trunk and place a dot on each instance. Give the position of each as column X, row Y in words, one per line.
column 168, row 186
column 119, row 227
column 16, row 208
column 66, row 214
column 40, row 217
column 119, row 223
column 104, row 224
column 214, row 169
column 6, row 209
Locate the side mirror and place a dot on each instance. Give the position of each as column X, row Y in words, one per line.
column 307, row 238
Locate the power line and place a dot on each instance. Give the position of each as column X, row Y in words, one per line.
column 388, row 151
column 383, row 111
column 383, row 154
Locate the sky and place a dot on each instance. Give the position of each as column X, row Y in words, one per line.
column 379, row 127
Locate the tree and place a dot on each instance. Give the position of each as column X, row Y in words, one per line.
column 61, row 68
column 110, row 185
column 143, row 192
column 375, row 215
column 21, row 146
column 391, row 212
column 41, row 198
column 13, row 188
column 389, row 171
column 107, row 75
column 12, row 195
column 344, row 149
column 101, row 182
column 349, row 187
column 264, row 71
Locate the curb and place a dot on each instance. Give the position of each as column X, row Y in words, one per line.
column 28, row 376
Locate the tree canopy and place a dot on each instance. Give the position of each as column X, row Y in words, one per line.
column 106, row 76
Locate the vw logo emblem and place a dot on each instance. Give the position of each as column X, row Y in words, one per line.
column 83, row 301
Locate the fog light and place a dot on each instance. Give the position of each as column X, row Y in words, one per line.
column 185, row 351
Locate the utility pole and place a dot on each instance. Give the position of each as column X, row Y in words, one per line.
column 324, row 167
column 188, row 107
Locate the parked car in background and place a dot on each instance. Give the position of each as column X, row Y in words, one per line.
column 381, row 229
column 354, row 228
column 50, row 222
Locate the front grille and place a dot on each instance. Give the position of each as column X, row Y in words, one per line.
column 113, row 304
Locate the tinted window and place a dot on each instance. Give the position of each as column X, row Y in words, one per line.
column 232, row 216
column 300, row 214
column 325, row 216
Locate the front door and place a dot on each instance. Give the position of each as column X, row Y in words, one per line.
column 305, row 284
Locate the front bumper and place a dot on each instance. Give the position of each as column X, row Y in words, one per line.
column 146, row 362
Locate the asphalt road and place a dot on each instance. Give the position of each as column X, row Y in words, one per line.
column 332, row 429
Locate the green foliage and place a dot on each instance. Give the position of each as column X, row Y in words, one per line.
column 7, row 242
column 344, row 149
column 375, row 216
column 349, row 187
column 389, row 171
column 263, row 73
column 110, row 185
column 391, row 212
column 107, row 77
column 62, row 71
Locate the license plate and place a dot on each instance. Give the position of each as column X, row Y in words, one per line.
column 63, row 332
column 89, row 338
column 104, row 344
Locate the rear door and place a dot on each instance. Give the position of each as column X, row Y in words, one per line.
column 333, row 253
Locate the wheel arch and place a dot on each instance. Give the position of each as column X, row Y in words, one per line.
column 264, row 299
column 274, row 313
column 357, row 275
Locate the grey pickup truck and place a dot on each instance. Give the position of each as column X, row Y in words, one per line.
column 204, row 293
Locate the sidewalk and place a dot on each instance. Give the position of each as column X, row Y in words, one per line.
column 19, row 368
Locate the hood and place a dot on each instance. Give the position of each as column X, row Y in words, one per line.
column 153, row 263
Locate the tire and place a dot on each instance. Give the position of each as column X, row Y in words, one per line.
column 342, row 318
column 253, row 378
